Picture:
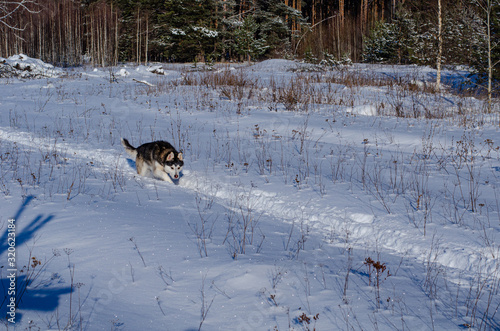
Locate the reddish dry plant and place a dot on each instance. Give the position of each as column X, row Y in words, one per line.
column 377, row 267
column 35, row 262
column 306, row 319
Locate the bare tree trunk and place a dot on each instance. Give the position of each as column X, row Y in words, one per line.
column 32, row 35
column 116, row 39
column 342, row 12
column 487, row 6
column 490, row 66
column 340, row 30
column 105, row 37
column 92, row 40
column 314, row 14
column 138, row 35
column 364, row 15
column 98, row 39
column 240, row 16
column 59, row 52
column 440, row 46
column 299, row 8
column 146, row 41
column 40, row 39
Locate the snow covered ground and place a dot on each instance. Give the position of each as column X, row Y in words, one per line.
column 346, row 199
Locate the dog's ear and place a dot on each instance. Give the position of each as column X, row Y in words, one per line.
column 170, row 156
column 179, row 156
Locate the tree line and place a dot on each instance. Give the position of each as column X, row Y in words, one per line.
column 105, row 32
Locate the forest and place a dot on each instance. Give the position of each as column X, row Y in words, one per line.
column 106, row 32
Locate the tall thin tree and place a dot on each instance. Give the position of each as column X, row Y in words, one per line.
column 440, row 45
column 487, row 7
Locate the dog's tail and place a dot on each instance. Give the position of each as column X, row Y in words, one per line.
column 131, row 150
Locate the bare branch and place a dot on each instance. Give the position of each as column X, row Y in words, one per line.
column 9, row 8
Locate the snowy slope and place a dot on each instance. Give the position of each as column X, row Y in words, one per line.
column 305, row 202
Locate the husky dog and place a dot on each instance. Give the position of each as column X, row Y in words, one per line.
column 158, row 158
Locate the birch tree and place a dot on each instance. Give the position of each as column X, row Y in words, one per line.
column 490, row 10
column 440, row 45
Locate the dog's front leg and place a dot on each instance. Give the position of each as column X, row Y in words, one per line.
column 159, row 173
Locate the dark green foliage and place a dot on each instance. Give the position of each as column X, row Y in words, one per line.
column 273, row 25
column 246, row 42
column 384, row 44
column 205, row 30
column 105, row 32
column 189, row 29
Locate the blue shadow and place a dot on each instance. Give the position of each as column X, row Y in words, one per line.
column 41, row 298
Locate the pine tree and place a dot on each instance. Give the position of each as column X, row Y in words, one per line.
column 190, row 29
column 246, row 42
column 439, row 57
column 275, row 19
column 383, row 44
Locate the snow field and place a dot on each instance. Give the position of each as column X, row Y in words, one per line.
column 289, row 191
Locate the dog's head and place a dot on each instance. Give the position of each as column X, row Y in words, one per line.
column 173, row 164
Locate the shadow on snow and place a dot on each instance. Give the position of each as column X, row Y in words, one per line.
column 37, row 296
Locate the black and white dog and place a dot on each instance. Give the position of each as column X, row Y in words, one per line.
column 158, row 158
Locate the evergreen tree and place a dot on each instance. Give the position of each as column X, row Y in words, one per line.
column 246, row 41
column 274, row 19
column 223, row 18
column 383, row 44
column 394, row 42
column 190, row 29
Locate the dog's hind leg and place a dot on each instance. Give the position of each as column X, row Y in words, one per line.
column 142, row 167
